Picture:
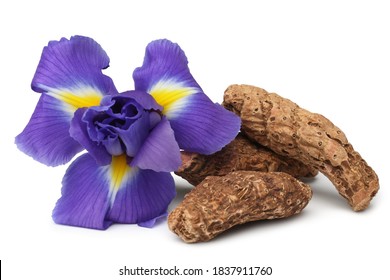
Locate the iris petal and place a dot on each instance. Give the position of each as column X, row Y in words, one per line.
column 46, row 137
column 164, row 61
column 143, row 98
column 199, row 124
column 86, row 195
column 203, row 127
column 135, row 135
column 152, row 222
column 70, row 70
column 142, row 197
column 160, row 151
column 69, row 74
column 96, row 196
column 79, row 131
column 170, row 94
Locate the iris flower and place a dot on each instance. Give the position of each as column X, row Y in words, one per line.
column 133, row 139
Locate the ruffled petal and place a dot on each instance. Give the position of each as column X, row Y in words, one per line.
column 160, row 151
column 86, row 195
column 142, row 197
column 147, row 117
column 203, row 127
column 71, row 71
column 79, row 131
column 96, row 196
column 46, row 137
column 143, row 98
column 199, row 124
column 133, row 137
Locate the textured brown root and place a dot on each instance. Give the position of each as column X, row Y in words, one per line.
column 289, row 130
column 221, row 202
column 240, row 154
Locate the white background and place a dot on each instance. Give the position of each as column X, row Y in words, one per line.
column 330, row 57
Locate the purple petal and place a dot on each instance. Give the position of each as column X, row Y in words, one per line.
column 71, row 71
column 152, row 222
column 143, row 98
column 46, row 137
column 160, row 151
column 135, row 135
column 166, row 61
column 85, row 198
column 105, row 138
column 96, row 196
column 143, row 197
column 79, row 131
column 165, row 75
column 201, row 126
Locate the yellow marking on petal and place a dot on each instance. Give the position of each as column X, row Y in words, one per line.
column 88, row 99
column 167, row 94
column 76, row 97
column 118, row 172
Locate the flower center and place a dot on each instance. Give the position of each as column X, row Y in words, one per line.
column 120, row 124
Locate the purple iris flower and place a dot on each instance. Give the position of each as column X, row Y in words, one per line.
column 133, row 139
